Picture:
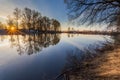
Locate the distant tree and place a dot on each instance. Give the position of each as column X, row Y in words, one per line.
column 26, row 19
column 45, row 22
column 72, row 29
column 32, row 20
column 56, row 25
column 10, row 22
column 1, row 25
column 95, row 11
column 35, row 17
column 40, row 24
column 17, row 16
column 48, row 24
column 68, row 28
column 52, row 25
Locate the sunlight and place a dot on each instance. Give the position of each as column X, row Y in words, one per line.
column 12, row 29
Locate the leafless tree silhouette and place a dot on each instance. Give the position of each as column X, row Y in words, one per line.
column 95, row 11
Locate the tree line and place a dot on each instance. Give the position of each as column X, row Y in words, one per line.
column 32, row 20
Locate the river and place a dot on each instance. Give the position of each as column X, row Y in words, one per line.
column 43, row 56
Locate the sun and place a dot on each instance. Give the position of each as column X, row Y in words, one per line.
column 12, row 29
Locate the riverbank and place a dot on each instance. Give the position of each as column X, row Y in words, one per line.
column 103, row 67
column 21, row 31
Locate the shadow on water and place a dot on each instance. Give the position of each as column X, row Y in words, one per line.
column 100, row 63
column 32, row 43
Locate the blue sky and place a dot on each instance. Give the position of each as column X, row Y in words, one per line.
column 51, row 8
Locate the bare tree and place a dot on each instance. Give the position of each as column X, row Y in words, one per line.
column 1, row 26
column 45, row 22
column 32, row 20
column 35, row 17
column 17, row 15
column 95, row 11
column 27, row 16
column 10, row 22
column 56, row 25
column 40, row 22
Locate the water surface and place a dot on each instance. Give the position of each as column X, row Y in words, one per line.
column 40, row 57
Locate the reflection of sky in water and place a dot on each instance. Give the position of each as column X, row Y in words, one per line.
column 43, row 65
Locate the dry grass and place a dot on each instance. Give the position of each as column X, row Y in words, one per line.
column 109, row 65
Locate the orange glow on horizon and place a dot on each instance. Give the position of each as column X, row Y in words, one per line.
column 12, row 29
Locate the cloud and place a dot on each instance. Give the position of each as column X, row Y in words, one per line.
column 3, row 19
column 7, row 6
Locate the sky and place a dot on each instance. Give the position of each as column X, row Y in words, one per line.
column 51, row 8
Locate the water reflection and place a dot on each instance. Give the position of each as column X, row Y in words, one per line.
column 98, row 63
column 57, row 47
column 30, row 44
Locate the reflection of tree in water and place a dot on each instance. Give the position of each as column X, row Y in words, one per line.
column 97, row 65
column 33, row 43
column 116, row 39
column 70, row 35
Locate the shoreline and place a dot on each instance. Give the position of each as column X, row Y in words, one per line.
column 5, row 32
column 106, row 66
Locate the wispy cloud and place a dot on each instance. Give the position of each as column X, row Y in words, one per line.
column 7, row 6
